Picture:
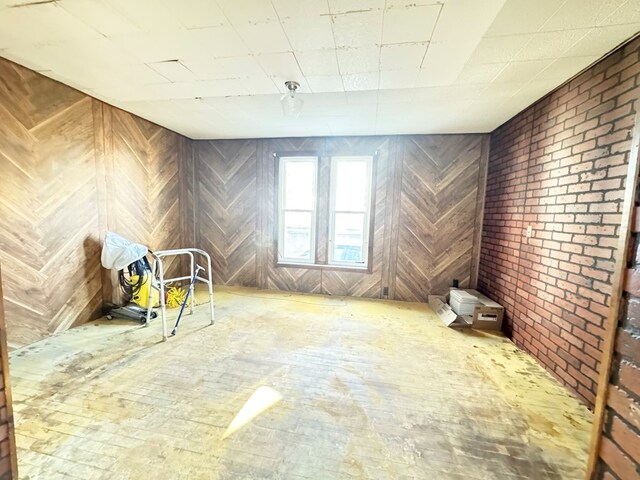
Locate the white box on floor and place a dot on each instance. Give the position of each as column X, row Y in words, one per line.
column 463, row 302
column 486, row 314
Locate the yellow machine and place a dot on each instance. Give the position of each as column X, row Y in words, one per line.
column 141, row 297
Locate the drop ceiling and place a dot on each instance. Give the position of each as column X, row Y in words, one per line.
column 216, row 68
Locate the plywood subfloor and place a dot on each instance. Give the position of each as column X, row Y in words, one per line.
column 371, row 389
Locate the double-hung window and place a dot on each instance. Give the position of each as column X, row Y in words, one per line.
column 324, row 214
column 297, row 209
column 350, row 205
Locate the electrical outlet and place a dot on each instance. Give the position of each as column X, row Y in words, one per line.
column 529, row 231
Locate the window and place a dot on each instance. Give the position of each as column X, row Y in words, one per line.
column 349, row 211
column 297, row 209
column 341, row 211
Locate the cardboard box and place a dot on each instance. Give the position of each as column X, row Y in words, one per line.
column 487, row 315
column 450, row 318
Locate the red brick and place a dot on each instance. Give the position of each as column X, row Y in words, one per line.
column 630, row 377
column 621, row 465
column 628, row 440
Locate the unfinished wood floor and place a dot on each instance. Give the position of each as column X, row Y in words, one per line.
column 370, row 389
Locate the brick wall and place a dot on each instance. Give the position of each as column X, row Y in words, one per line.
column 559, row 167
column 620, row 442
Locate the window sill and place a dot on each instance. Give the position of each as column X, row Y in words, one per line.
column 315, row 266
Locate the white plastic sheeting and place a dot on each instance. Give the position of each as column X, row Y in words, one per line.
column 118, row 252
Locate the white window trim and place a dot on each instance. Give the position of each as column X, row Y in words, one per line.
column 367, row 212
column 282, row 161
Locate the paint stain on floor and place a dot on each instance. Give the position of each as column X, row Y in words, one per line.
column 370, row 390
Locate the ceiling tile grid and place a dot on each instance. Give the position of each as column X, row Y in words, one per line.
column 216, row 68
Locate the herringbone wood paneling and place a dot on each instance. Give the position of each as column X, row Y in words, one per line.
column 49, row 230
column 438, row 201
column 424, row 216
column 226, row 205
column 366, row 284
column 72, row 168
column 284, row 278
column 146, row 183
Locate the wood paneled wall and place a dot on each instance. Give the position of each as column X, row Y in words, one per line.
column 8, row 452
column 428, row 196
column 73, row 167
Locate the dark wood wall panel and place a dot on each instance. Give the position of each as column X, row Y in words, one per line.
column 440, row 177
column 49, row 229
column 290, row 279
column 357, row 284
column 73, row 168
column 226, row 203
column 427, row 197
column 145, row 183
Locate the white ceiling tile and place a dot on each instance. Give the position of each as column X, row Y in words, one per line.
column 248, row 12
column 521, row 71
column 318, row 62
column 498, row 49
column 522, row 16
column 309, row 33
column 344, row 6
column 565, row 68
column 158, row 47
column 250, row 102
column 237, row 67
column 367, row 97
column 414, row 23
column 173, row 70
column 100, row 17
column 358, row 60
column 208, row 88
column 482, row 73
column 104, row 50
column 408, row 3
column 197, row 13
column 325, row 99
column 264, row 37
column 358, row 28
column 259, row 85
column 602, row 39
column 407, row 56
column 219, row 42
column 629, row 12
column 146, row 15
column 399, row 95
column 460, row 27
column 280, row 64
column 394, row 79
column 44, row 24
column 141, row 74
column 577, row 14
column 325, row 83
column 546, row 45
column 300, row 9
column 361, row 81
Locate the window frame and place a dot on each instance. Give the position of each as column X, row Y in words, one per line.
column 366, row 227
column 322, row 210
column 282, row 161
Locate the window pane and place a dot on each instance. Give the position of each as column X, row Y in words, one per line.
column 351, row 185
column 349, row 238
column 297, row 235
column 299, row 185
